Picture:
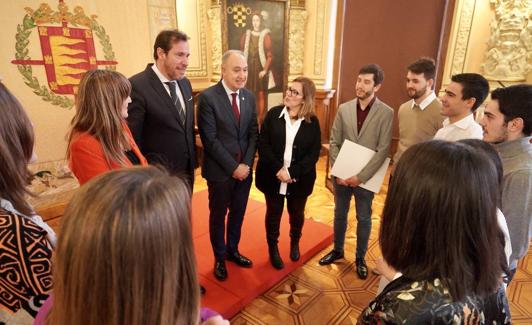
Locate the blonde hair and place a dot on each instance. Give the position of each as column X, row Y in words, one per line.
column 16, row 148
column 309, row 92
column 99, row 103
column 125, row 254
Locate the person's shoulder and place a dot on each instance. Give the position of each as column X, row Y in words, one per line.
column 81, row 139
column 211, row 90
column 276, row 109
column 142, row 75
column 405, row 105
column 384, row 107
column 248, row 93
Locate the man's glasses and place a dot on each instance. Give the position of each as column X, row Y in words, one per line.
column 293, row 92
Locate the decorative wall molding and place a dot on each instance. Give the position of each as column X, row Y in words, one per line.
column 202, row 70
column 161, row 15
column 215, row 23
column 296, row 41
column 509, row 52
column 319, row 38
column 467, row 10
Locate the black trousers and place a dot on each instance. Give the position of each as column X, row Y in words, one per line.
column 230, row 195
column 274, row 211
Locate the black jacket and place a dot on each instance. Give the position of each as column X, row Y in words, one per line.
column 305, row 155
column 155, row 123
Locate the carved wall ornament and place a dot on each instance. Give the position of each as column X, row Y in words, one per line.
column 296, row 37
column 509, row 53
column 215, row 21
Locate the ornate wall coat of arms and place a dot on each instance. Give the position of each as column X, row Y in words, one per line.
column 67, row 47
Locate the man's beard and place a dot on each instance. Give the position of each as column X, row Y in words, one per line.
column 365, row 95
column 417, row 93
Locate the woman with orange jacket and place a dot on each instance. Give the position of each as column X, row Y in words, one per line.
column 99, row 138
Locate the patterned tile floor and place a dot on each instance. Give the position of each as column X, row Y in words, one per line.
column 315, row 294
column 333, row 294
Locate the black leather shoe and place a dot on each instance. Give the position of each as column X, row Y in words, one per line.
column 294, row 250
column 362, row 268
column 275, row 258
column 331, row 257
column 220, row 271
column 239, row 260
column 202, row 290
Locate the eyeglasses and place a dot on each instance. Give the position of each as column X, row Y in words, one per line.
column 293, row 92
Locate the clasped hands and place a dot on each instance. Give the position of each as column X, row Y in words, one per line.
column 352, row 181
column 283, row 176
column 241, row 172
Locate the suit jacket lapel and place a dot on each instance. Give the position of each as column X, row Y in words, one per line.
column 189, row 103
column 244, row 110
column 163, row 94
column 354, row 118
column 226, row 104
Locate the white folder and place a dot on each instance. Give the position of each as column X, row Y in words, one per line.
column 352, row 158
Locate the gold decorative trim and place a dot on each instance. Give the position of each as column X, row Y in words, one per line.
column 296, row 41
column 467, row 11
column 202, row 70
column 214, row 15
column 319, row 36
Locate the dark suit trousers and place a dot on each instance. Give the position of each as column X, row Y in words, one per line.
column 229, row 195
column 274, row 211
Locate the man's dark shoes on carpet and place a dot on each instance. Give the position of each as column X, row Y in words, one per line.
column 239, row 259
column 220, row 271
column 331, row 257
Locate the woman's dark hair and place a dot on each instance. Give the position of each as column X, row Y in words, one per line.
column 439, row 219
column 491, row 153
column 16, row 149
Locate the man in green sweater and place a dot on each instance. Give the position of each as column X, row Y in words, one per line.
column 507, row 123
column 420, row 117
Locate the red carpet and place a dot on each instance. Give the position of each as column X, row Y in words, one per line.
column 243, row 285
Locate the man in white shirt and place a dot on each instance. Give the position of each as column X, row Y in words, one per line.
column 465, row 93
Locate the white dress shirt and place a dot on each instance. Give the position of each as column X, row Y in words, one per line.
column 229, row 92
column 178, row 90
column 291, row 132
column 426, row 102
column 466, row 128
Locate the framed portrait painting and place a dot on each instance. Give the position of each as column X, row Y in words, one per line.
column 260, row 30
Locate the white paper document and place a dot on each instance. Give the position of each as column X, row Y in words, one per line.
column 350, row 161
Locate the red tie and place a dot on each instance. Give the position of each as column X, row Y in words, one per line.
column 235, row 108
column 237, row 117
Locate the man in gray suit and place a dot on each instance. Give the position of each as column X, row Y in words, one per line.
column 227, row 122
column 368, row 122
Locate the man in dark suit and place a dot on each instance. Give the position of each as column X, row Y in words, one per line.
column 161, row 114
column 227, row 122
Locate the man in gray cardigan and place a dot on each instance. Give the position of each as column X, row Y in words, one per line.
column 368, row 122
column 507, row 123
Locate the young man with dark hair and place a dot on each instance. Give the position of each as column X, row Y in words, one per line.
column 420, row 117
column 465, row 93
column 368, row 122
column 507, row 123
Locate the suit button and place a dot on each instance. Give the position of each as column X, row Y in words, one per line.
column 295, row 146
